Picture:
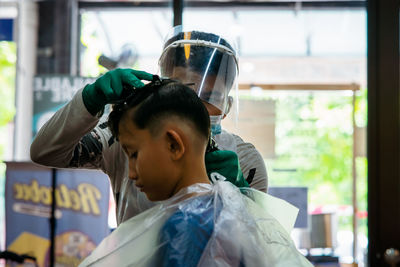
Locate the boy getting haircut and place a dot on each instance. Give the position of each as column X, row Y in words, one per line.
column 167, row 113
column 167, row 99
column 164, row 130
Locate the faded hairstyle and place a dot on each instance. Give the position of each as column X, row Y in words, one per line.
column 159, row 100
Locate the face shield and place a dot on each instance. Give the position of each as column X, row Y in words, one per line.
column 204, row 61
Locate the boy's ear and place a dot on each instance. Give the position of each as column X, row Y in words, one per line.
column 175, row 144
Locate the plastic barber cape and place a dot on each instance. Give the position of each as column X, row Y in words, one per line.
column 218, row 225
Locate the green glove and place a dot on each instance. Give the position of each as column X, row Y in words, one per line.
column 226, row 163
column 109, row 87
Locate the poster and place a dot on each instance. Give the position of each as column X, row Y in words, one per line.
column 82, row 198
column 51, row 92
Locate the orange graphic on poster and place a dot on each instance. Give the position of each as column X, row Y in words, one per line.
column 32, row 245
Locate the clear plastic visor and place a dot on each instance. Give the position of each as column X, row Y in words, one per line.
column 209, row 68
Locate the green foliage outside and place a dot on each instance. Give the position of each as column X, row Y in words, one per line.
column 8, row 58
column 91, row 47
column 314, row 147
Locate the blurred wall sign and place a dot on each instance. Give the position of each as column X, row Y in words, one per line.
column 297, row 196
column 6, row 29
column 51, row 92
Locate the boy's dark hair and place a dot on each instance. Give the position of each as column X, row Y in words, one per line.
column 158, row 100
column 200, row 56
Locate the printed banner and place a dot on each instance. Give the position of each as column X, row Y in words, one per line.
column 52, row 92
column 82, row 198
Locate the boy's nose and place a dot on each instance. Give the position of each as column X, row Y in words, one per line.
column 132, row 172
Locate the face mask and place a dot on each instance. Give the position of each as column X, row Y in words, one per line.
column 215, row 124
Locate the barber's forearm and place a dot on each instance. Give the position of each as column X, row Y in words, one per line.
column 56, row 140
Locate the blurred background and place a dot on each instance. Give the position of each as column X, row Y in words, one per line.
column 305, row 86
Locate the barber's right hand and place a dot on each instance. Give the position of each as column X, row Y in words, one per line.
column 109, row 87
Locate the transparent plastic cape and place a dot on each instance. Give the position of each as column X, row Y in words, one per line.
column 247, row 228
column 131, row 201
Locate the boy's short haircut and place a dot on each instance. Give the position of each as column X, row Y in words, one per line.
column 157, row 101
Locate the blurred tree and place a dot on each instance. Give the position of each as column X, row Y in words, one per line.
column 8, row 60
column 314, row 147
